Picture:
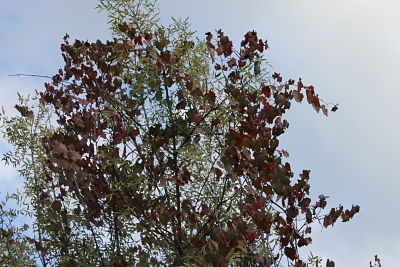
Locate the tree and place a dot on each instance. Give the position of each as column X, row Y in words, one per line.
column 158, row 148
column 15, row 248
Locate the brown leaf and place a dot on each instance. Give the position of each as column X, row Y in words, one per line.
column 56, row 205
column 25, row 112
column 74, row 155
column 60, row 148
column 285, row 153
column 330, row 263
column 327, row 221
column 324, row 110
column 292, row 212
column 297, row 96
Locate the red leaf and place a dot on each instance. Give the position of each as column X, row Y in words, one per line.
column 185, row 175
column 215, row 122
column 189, row 85
column 300, row 85
column 49, row 88
column 183, row 178
column 210, row 96
column 304, row 242
column 204, row 210
column 330, row 263
column 305, row 203
column 56, row 206
column 25, row 112
column 138, row 40
column 209, row 36
column 291, row 253
column 135, row 132
column 123, row 27
column 310, row 95
column 251, row 237
column 148, row 36
column 218, row 173
column 348, row 214
column 258, row 204
column 287, row 167
column 266, row 91
column 196, row 92
column 292, row 212
column 181, row 105
column 305, row 174
column 316, row 102
column 118, row 137
column 197, row 118
column 177, row 180
column 266, row 226
column 225, row 45
column 275, row 75
column 131, row 33
column 327, row 221
column 122, row 263
column 232, row 62
column 192, row 218
column 309, row 218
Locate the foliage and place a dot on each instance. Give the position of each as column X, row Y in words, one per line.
column 376, row 263
column 15, row 248
column 158, row 148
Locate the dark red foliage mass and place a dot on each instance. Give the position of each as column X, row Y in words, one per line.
column 116, row 162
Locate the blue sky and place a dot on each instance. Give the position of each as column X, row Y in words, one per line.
column 349, row 50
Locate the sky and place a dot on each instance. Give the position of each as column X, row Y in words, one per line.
column 348, row 49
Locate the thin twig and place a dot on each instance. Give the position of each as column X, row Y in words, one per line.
column 29, row 75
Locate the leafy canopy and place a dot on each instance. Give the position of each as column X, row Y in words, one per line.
column 160, row 148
